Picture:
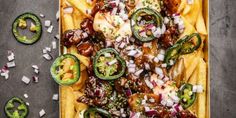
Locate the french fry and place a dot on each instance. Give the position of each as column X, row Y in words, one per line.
column 200, row 24
column 189, row 28
column 83, row 59
column 192, row 12
column 202, row 80
column 80, row 84
column 68, row 22
column 190, row 63
column 78, row 17
column 67, row 102
column 81, row 6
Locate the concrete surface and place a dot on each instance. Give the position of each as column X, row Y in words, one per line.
column 222, row 54
column 40, row 94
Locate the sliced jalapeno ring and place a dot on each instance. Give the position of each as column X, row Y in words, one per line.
column 94, row 111
column 20, row 22
column 65, row 70
column 108, row 65
column 186, row 95
column 191, row 44
column 16, row 108
column 142, row 21
column 184, row 46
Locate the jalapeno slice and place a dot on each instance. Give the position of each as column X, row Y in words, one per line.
column 108, row 65
column 94, row 111
column 186, row 95
column 190, row 43
column 65, row 70
column 20, row 22
column 142, row 22
column 16, row 108
column 185, row 45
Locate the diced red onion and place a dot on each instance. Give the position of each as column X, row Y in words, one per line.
column 122, row 45
column 49, row 30
column 137, row 73
column 158, row 70
column 47, row 56
column 151, row 113
column 47, row 23
column 35, row 79
column 156, row 60
column 132, row 52
column 131, row 70
column 54, row 44
column 161, row 57
column 10, row 56
column 112, row 62
column 128, row 92
column 114, row 11
column 42, row 113
column 58, row 15
column 148, row 83
column 11, row 64
column 55, row 97
column 154, row 83
column 25, row 79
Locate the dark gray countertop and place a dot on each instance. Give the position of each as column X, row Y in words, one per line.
column 40, row 94
column 222, row 55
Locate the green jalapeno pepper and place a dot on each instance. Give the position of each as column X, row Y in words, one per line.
column 20, row 22
column 185, row 45
column 65, row 70
column 108, row 65
column 186, row 95
column 142, row 21
column 16, row 108
column 94, row 111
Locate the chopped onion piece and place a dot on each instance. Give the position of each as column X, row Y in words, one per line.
column 35, row 67
column 114, row 10
column 148, row 83
column 11, row 64
column 48, row 49
column 47, row 23
column 156, row 60
column 57, row 36
column 131, row 70
column 132, row 52
column 161, row 57
column 158, row 70
column 27, row 103
column 41, row 15
column 49, row 30
column 54, row 45
column 122, row 45
column 55, row 97
column 26, row 95
column 169, row 103
column 36, row 71
column 112, row 62
column 166, row 20
column 162, row 52
column 58, row 15
column 137, row 73
column 35, row 79
column 10, row 56
column 42, row 113
column 119, row 38
column 47, row 56
column 199, row 89
column 107, row 54
column 151, row 113
column 164, row 65
column 25, row 79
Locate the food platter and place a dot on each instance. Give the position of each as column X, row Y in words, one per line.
column 192, row 59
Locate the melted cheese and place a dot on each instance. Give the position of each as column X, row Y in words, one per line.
column 111, row 25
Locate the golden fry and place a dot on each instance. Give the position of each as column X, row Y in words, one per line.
column 200, row 24
column 80, row 84
column 202, row 80
column 68, row 22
